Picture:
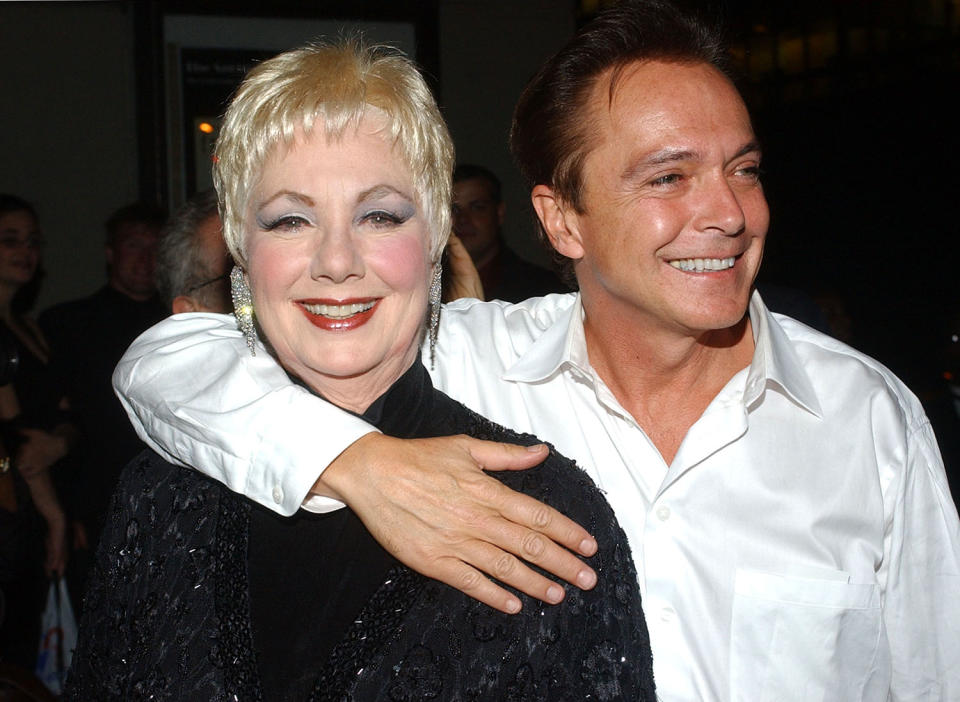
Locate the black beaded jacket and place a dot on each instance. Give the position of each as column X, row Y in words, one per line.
column 168, row 613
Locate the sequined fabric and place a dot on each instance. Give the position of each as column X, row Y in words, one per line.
column 168, row 611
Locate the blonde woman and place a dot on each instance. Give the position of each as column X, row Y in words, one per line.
column 333, row 168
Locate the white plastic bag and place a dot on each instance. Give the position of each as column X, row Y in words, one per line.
column 58, row 637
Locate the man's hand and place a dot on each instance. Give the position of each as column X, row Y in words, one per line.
column 429, row 503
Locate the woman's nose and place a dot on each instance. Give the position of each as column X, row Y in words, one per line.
column 336, row 256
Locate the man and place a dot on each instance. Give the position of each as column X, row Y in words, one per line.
column 193, row 264
column 478, row 214
column 87, row 337
column 783, row 494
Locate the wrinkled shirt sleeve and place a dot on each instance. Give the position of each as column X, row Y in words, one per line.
column 197, row 396
column 922, row 573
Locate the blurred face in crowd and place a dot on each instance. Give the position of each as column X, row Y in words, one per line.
column 214, row 296
column 338, row 252
column 477, row 218
column 674, row 217
column 132, row 257
column 20, row 246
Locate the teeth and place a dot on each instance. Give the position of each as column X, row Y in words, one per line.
column 338, row 311
column 703, row 264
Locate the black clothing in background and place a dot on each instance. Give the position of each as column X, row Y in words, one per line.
column 511, row 278
column 22, row 532
column 796, row 304
column 199, row 594
column 87, row 338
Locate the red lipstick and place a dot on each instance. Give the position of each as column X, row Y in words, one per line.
column 347, row 322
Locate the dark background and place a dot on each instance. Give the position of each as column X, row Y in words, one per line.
column 850, row 100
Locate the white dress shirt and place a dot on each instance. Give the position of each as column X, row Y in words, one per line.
column 802, row 545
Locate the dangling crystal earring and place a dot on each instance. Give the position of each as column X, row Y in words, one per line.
column 243, row 307
column 435, row 289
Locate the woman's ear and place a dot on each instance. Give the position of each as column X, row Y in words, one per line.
column 559, row 221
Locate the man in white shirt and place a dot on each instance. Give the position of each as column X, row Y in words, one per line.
column 783, row 494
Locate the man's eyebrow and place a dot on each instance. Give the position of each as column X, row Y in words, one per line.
column 747, row 148
column 667, row 156
column 657, row 158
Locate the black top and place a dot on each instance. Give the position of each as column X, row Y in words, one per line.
column 21, row 532
column 87, row 338
column 513, row 279
column 199, row 594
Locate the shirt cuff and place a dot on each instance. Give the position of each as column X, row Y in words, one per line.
column 301, row 431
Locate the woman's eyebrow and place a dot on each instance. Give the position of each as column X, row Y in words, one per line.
column 290, row 195
column 381, row 190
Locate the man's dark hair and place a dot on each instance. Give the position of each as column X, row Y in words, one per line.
column 180, row 264
column 470, row 171
column 138, row 212
column 552, row 132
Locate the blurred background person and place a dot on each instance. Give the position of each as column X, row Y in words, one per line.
column 193, row 264
column 34, row 435
column 478, row 216
column 87, row 337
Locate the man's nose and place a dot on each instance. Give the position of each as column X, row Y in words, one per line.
column 720, row 208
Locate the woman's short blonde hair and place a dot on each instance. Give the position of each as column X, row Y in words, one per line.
column 335, row 84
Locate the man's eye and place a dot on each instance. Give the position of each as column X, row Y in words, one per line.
column 669, row 179
column 750, row 172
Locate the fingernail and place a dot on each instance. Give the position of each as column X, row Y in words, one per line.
column 536, row 448
column 513, row 606
column 588, row 546
column 554, row 594
column 586, row 579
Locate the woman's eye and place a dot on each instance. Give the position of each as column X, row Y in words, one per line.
column 381, row 218
column 287, row 223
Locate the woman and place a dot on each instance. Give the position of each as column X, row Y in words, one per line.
column 333, row 167
column 33, row 436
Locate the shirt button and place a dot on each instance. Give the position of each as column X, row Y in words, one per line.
column 277, row 494
column 667, row 614
column 663, row 513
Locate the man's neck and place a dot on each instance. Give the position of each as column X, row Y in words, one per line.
column 662, row 377
column 136, row 297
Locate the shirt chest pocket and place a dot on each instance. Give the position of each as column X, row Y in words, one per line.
column 815, row 640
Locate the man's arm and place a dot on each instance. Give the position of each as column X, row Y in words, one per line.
column 921, row 575
column 196, row 395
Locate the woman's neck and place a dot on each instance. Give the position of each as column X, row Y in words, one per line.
column 6, row 299
column 356, row 393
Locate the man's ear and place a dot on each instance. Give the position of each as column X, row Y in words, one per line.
column 501, row 212
column 184, row 303
column 559, row 221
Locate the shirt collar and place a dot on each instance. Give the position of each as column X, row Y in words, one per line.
column 563, row 342
column 775, row 363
